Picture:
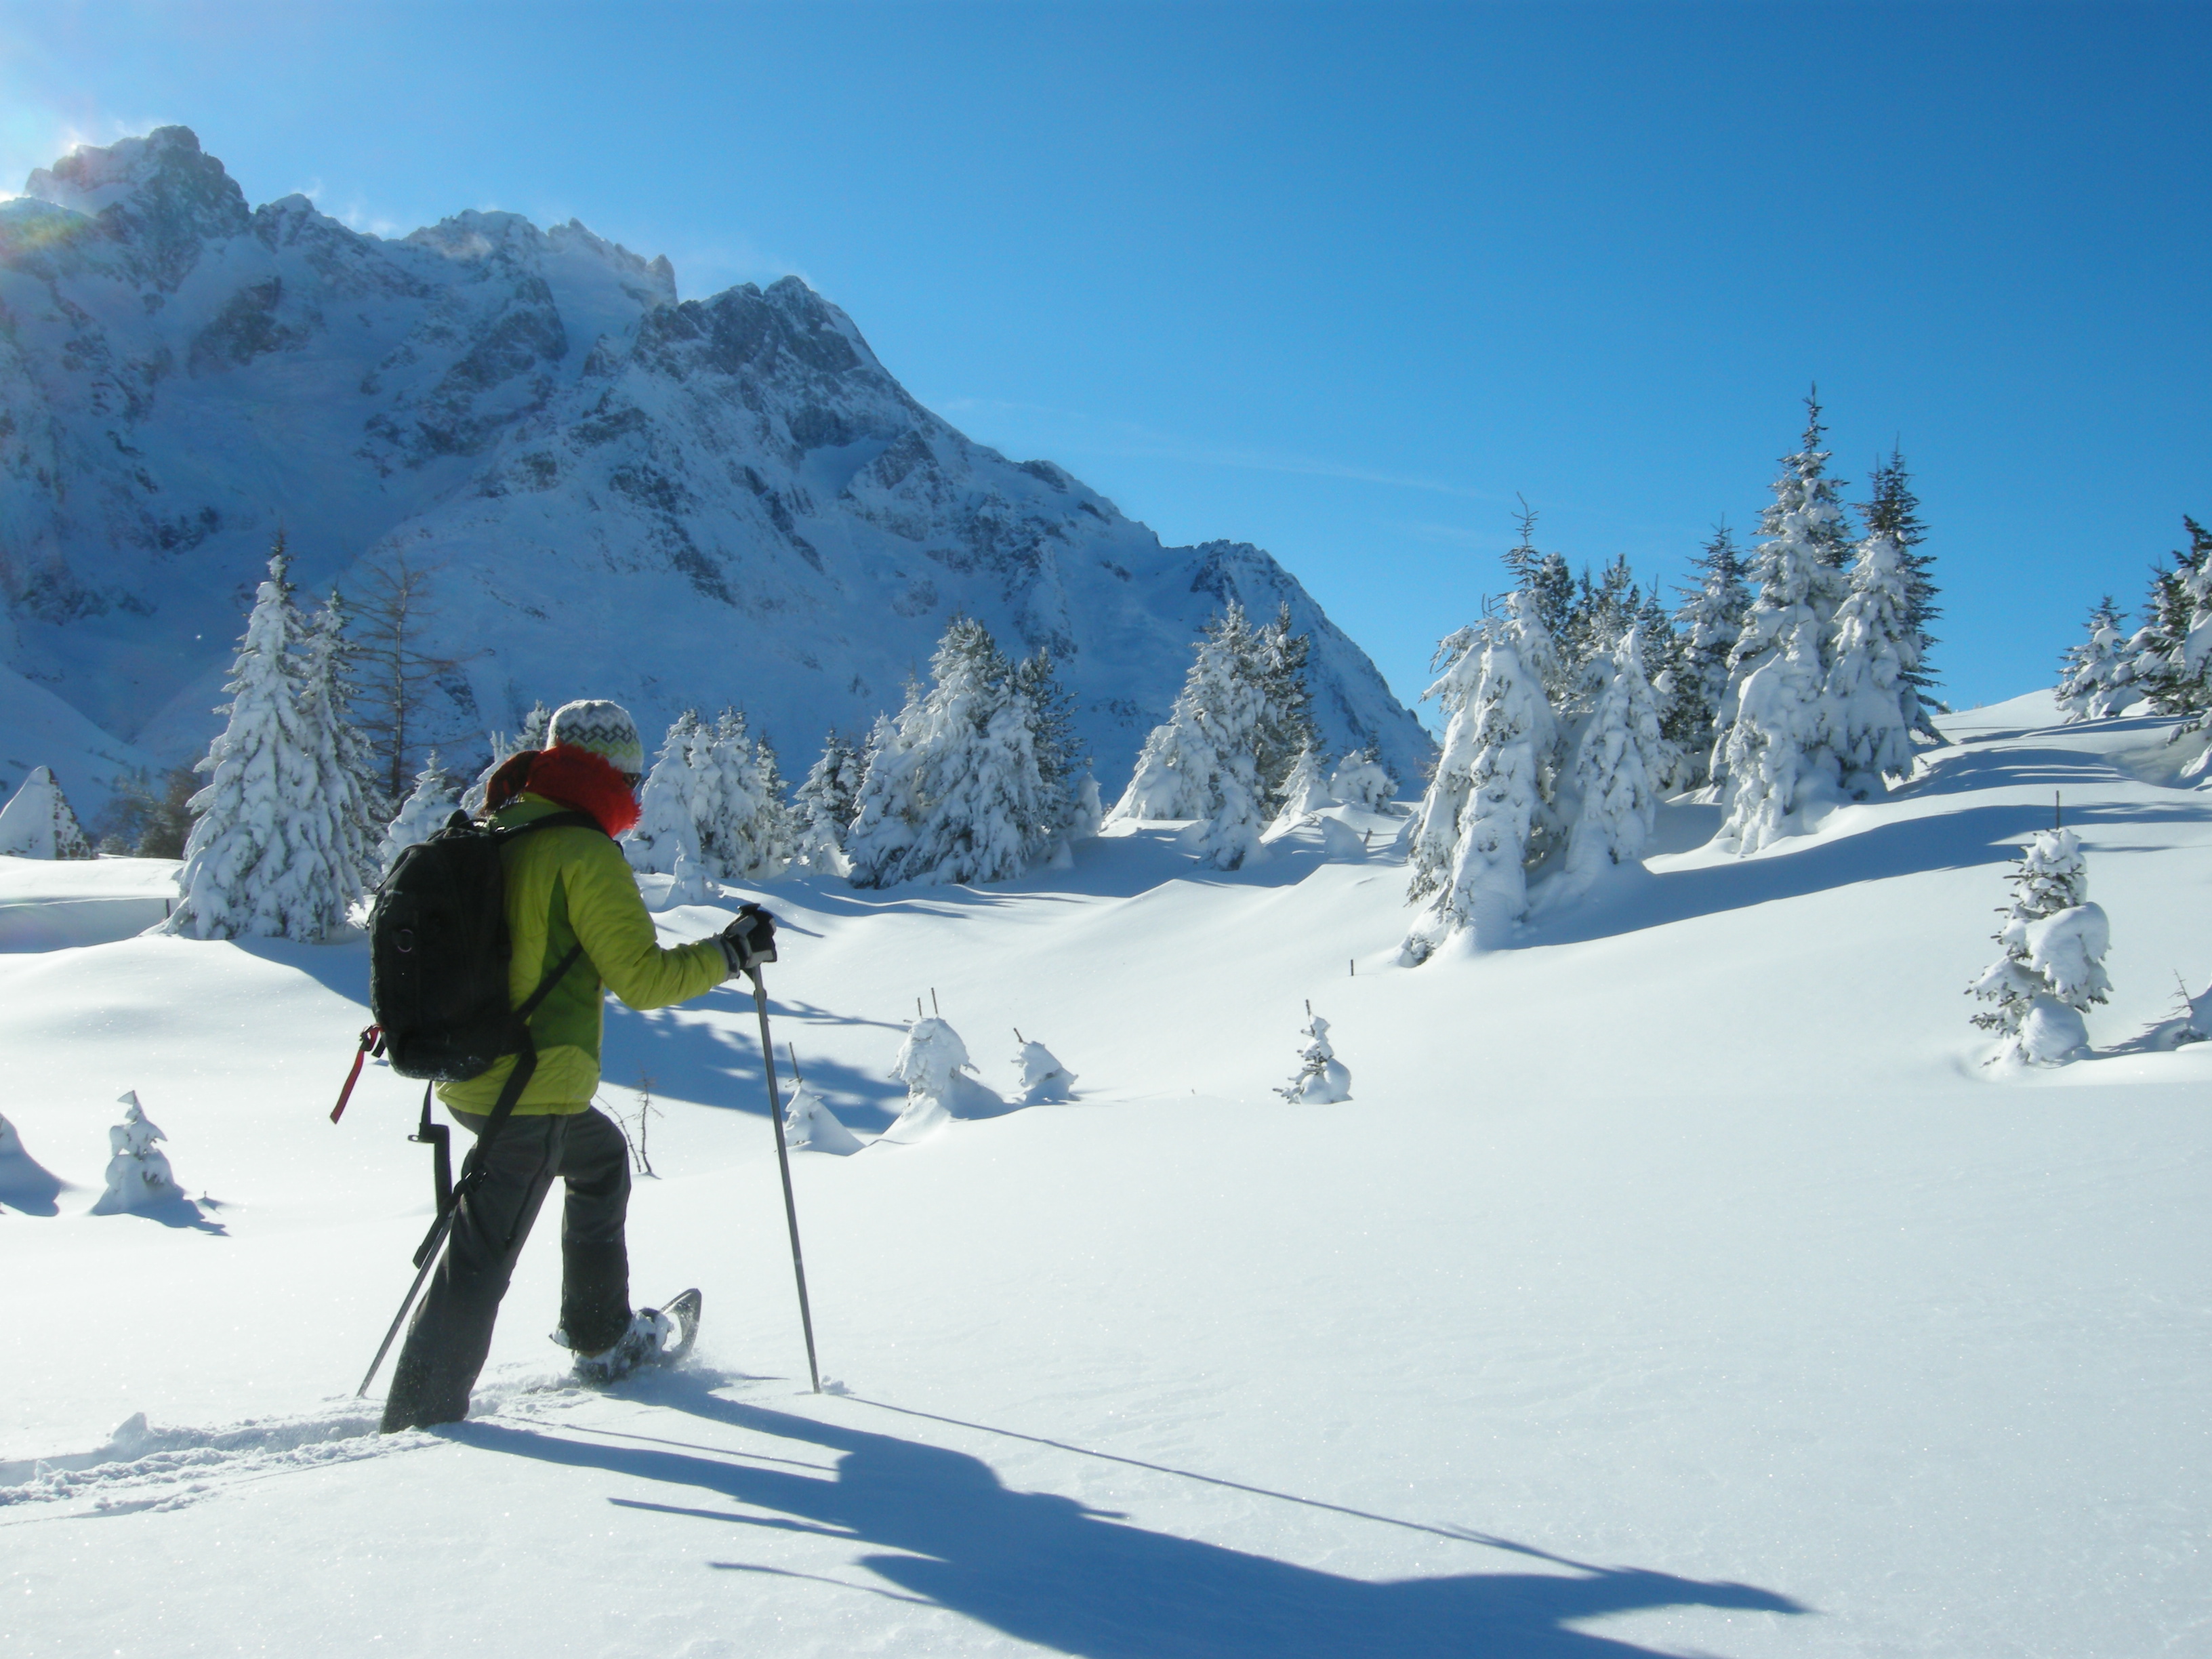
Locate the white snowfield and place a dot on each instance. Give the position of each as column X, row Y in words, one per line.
column 1679, row 1281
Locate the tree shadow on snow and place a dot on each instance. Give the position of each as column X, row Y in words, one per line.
column 1042, row 1568
column 717, row 1061
column 340, row 967
column 28, row 1185
column 1976, row 835
column 1109, row 866
column 176, row 1211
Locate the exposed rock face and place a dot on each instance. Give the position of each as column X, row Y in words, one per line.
column 624, row 494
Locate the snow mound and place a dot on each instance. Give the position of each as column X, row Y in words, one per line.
column 2052, row 1033
column 810, row 1126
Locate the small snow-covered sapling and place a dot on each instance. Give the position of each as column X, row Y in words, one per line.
column 1044, row 1079
column 1323, row 1079
column 931, row 1062
column 138, row 1175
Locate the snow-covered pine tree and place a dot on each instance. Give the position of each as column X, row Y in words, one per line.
column 1773, row 721
column 823, row 806
column 434, row 799
column 1546, row 579
column 2052, row 967
column 1472, row 837
column 1360, row 779
column 504, row 746
column 37, row 822
column 1050, row 712
column 1202, row 763
column 1604, row 610
column 2157, row 652
column 744, row 826
column 962, row 795
column 1089, row 815
column 882, row 825
column 1662, row 654
column 2173, row 651
column 1777, row 764
column 668, row 805
column 1621, row 754
column 1709, row 623
column 1303, row 791
column 255, row 865
column 1893, row 510
column 1871, row 702
column 350, row 809
column 778, row 839
column 1286, row 726
column 2095, row 677
column 535, row 725
column 1173, row 773
column 1797, row 568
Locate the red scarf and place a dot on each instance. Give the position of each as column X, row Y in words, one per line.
column 568, row 776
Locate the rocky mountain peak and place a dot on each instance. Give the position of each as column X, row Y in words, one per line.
column 160, row 197
column 672, row 502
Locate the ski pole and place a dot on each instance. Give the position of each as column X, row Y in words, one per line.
column 430, row 1260
column 783, row 1163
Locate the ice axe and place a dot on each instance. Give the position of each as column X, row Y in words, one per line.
column 783, row 1159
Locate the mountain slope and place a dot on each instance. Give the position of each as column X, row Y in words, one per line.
column 1677, row 1282
column 585, row 461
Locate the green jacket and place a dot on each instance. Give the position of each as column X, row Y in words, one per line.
column 566, row 887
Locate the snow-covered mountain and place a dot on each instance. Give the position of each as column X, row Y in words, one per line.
column 623, row 494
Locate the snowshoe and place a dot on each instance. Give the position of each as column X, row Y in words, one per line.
column 655, row 1337
column 684, row 1308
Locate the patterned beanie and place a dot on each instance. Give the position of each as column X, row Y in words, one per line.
column 604, row 728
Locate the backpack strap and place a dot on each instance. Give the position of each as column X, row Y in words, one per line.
column 525, row 1050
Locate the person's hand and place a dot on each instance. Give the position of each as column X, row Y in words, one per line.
column 749, row 941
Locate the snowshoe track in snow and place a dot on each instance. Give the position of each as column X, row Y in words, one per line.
column 143, row 1468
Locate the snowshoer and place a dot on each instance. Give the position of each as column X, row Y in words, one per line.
column 566, row 888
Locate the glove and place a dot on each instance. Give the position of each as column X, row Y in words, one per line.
column 749, row 941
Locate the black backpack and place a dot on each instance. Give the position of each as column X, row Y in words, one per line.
column 438, row 950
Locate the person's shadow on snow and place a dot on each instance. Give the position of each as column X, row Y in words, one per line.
column 1045, row 1568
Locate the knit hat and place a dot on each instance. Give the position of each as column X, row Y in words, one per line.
column 604, row 728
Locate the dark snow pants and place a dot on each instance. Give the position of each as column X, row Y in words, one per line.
column 452, row 1330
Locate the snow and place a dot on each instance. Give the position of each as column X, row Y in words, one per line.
column 810, row 1126
column 37, row 821
column 37, row 728
column 1680, row 1281
column 47, row 904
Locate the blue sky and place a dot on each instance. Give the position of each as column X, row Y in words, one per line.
column 1343, row 279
